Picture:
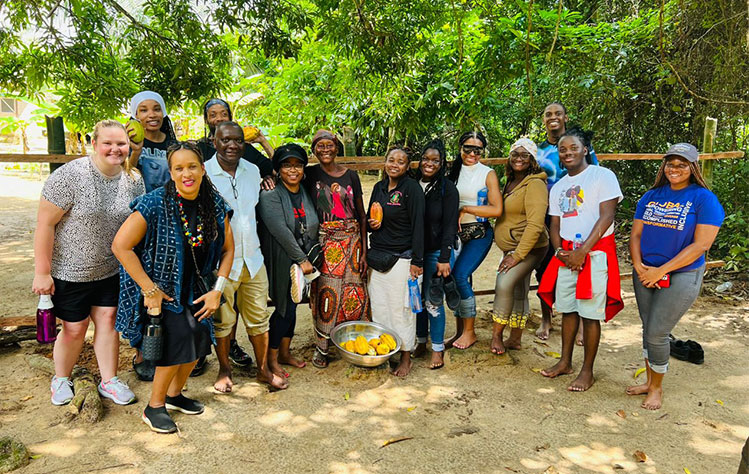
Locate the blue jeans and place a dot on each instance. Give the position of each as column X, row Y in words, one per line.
column 436, row 320
column 471, row 255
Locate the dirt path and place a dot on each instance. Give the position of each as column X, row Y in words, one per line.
column 481, row 413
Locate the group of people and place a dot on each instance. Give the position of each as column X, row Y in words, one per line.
column 201, row 234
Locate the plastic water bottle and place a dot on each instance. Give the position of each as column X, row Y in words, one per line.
column 578, row 242
column 481, row 200
column 414, row 295
column 46, row 323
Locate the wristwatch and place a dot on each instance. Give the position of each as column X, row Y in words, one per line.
column 556, row 252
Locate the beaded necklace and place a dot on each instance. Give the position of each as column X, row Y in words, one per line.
column 193, row 240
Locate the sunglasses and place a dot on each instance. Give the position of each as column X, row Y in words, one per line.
column 524, row 156
column 473, row 150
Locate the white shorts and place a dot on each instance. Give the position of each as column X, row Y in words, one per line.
column 565, row 299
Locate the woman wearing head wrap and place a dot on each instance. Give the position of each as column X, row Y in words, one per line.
column 216, row 111
column 149, row 155
column 340, row 293
column 520, row 233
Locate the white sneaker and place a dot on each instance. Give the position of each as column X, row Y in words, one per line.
column 117, row 391
column 298, row 283
column 62, row 390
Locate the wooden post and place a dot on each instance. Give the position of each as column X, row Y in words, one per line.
column 711, row 129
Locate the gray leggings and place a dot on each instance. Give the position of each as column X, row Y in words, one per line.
column 660, row 310
column 511, row 290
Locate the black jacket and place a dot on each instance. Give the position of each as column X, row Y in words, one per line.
column 441, row 218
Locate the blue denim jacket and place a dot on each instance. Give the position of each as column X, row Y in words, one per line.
column 161, row 253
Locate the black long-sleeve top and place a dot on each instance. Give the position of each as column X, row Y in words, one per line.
column 402, row 226
column 441, row 218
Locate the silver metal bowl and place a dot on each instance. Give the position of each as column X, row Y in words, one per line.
column 350, row 330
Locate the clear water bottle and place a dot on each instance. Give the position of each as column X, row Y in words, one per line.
column 414, row 295
column 46, row 323
column 153, row 339
column 482, row 199
column 578, row 242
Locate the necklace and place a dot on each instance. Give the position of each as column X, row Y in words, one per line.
column 193, row 240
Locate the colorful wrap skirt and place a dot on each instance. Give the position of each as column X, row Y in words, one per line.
column 339, row 294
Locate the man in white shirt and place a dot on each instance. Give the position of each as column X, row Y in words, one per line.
column 238, row 182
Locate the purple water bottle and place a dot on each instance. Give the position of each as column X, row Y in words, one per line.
column 46, row 323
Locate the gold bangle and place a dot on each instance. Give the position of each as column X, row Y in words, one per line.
column 150, row 293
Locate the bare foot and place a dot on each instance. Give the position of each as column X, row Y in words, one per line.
column 292, row 361
column 438, row 360
column 654, row 399
column 583, row 382
column 404, row 368
column 420, row 351
column 276, row 368
column 498, row 347
column 274, row 381
column 641, row 389
column 223, row 381
column 543, row 331
column 449, row 342
column 465, row 341
column 513, row 344
column 579, row 339
column 560, row 368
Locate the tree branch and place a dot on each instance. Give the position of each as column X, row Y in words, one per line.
column 678, row 76
column 528, row 53
column 556, row 31
column 138, row 24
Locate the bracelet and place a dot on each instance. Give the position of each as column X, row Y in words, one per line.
column 150, row 293
column 220, row 284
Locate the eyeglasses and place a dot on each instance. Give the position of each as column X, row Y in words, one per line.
column 680, row 166
column 233, row 182
column 320, row 146
column 473, row 150
column 287, row 166
column 524, row 156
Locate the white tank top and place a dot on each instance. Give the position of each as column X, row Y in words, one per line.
column 471, row 182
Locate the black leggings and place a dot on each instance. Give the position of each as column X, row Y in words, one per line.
column 282, row 325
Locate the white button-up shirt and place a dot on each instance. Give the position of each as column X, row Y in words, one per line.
column 242, row 193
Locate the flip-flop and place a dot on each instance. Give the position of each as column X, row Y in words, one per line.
column 320, row 360
column 436, row 367
column 452, row 296
column 436, row 290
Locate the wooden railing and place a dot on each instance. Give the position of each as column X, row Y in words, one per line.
column 362, row 163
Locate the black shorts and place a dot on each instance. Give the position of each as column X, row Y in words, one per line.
column 73, row 300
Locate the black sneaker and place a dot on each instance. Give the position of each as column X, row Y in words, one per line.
column 199, row 367
column 144, row 370
column 185, row 405
column 159, row 420
column 436, row 290
column 452, row 296
column 238, row 356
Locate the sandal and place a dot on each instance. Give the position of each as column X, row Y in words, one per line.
column 320, row 360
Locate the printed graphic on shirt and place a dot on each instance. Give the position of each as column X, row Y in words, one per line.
column 335, row 200
column 671, row 215
column 395, row 199
column 299, row 212
column 570, row 202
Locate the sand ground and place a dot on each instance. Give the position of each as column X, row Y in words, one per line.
column 480, row 413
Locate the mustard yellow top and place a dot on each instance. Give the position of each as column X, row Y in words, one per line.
column 521, row 227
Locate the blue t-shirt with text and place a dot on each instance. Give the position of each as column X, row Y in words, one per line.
column 670, row 219
column 548, row 159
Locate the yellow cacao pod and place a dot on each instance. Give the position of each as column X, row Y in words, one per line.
column 349, row 346
column 389, row 341
column 362, row 346
column 250, row 133
column 383, row 349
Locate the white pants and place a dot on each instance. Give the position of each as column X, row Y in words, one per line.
column 388, row 294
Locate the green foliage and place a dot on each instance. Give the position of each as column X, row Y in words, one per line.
column 642, row 75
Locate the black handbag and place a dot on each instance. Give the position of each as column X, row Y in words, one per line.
column 380, row 260
column 202, row 284
column 472, row 231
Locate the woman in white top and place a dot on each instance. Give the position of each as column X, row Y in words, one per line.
column 83, row 205
column 480, row 199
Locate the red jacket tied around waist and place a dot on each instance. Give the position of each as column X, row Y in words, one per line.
column 584, row 288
